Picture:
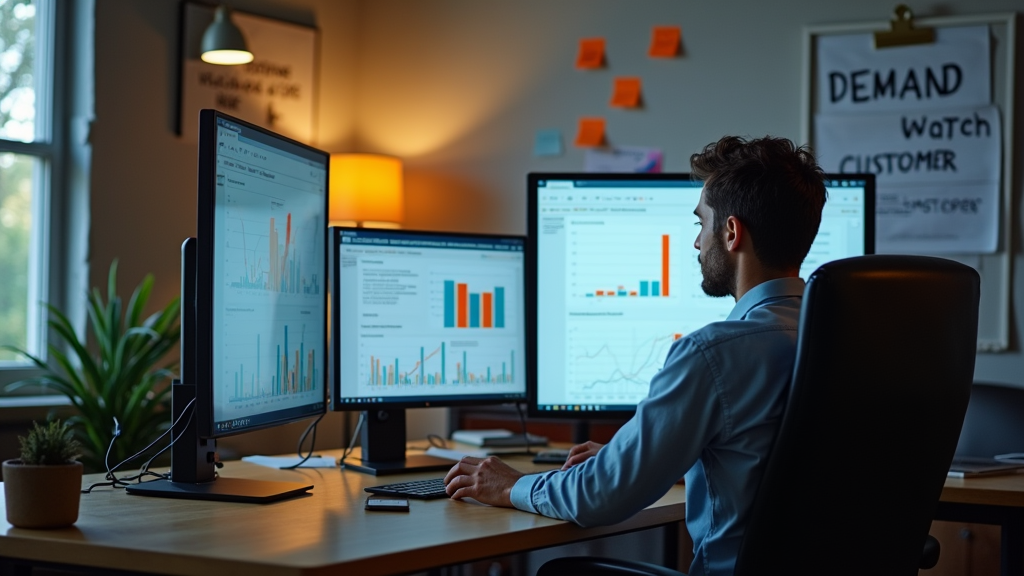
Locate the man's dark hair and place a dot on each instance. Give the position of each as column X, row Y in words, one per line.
column 773, row 187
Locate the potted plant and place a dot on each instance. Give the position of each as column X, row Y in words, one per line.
column 117, row 373
column 42, row 488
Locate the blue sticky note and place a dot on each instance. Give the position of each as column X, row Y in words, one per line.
column 548, row 143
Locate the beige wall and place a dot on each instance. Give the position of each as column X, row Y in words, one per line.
column 458, row 88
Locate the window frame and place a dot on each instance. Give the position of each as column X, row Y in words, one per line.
column 47, row 261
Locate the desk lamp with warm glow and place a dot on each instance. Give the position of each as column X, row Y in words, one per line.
column 366, row 190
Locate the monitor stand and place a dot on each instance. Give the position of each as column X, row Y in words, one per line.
column 383, row 447
column 193, row 466
column 193, row 459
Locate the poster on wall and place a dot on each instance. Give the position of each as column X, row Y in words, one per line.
column 276, row 90
column 921, row 119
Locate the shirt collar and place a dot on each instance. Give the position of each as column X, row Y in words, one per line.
column 760, row 294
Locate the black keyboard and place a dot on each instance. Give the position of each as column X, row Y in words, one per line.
column 419, row 489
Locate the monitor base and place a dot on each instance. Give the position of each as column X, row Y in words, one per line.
column 415, row 463
column 222, row 489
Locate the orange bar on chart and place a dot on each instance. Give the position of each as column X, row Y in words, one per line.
column 485, row 321
column 664, row 264
column 462, row 306
column 599, row 292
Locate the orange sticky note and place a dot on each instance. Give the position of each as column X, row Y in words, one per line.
column 591, row 132
column 665, row 42
column 627, row 93
column 591, row 54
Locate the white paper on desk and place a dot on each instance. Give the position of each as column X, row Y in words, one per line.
column 937, row 174
column 285, row 461
column 854, row 76
column 455, row 455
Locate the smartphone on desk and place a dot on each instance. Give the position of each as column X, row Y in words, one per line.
column 551, row 457
column 378, row 503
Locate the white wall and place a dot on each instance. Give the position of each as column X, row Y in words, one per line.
column 457, row 88
column 143, row 196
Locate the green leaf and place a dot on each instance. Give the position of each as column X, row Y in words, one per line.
column 124, row 372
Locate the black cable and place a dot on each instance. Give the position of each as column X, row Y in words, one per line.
column 302, row 439
column 115, row 482
column 522, row 421
column 352, row 442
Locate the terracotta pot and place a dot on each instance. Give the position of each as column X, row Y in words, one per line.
column 42, row 496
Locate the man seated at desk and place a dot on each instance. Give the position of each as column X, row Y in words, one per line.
column 714, row 408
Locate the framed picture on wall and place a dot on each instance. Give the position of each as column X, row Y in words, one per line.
column 277, row 90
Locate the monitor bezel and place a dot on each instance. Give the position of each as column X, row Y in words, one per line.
column 206, row 210
column 336, row 323
column 533, row 178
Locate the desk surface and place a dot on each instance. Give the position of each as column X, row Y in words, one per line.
column 328, row 530
column 1007, row 490
column 316, row 534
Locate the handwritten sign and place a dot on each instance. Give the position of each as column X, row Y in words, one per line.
column 937, row 174
column 920, row 119
column 855, row 77
column 275, row 91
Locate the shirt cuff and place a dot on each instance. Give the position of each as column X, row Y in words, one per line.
column 522, row 493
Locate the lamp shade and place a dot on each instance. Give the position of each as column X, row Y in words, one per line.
column 366, row 189
column 223, row 43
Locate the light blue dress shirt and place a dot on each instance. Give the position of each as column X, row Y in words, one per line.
column 711, row 414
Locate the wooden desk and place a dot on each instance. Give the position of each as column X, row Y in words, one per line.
column 327, row 532
column 992, row 500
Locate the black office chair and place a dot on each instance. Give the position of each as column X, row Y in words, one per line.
column 885, row 359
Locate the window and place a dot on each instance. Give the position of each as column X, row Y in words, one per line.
column 29, row 153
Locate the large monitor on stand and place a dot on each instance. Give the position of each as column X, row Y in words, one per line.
column 254, row 304
column 422, row 319
column 613, row 280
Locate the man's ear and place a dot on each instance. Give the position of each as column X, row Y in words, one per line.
column 734, row 232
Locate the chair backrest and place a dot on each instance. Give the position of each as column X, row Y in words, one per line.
column 884, row 364
column 994, row 423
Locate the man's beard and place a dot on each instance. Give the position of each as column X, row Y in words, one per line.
column 719, row 274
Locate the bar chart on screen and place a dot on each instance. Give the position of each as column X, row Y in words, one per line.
column 623, row 259
column 449, row 366
column 270, row 251
column 270, row 361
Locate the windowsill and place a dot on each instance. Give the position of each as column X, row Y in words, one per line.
column 28, row 408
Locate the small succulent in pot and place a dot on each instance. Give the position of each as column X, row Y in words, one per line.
column 43, row 488
column 50, row 445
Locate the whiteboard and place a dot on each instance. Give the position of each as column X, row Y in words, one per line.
column 996, row 268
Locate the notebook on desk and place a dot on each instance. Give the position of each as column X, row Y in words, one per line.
column 968, row 467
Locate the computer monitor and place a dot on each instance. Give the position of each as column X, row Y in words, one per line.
column 422, row 319
column 254, row 303
column 613, row 280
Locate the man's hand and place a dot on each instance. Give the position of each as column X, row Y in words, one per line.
column 579, row 453
column 487, row 480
